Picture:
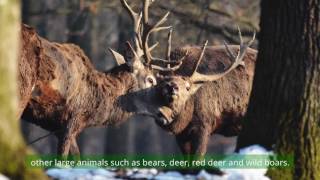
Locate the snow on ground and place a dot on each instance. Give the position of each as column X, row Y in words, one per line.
column 2, row 177
column 154, row 174
column 248, row 174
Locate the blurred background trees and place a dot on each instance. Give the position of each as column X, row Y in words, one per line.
column 95, row 25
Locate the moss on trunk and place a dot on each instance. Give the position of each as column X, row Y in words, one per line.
column 12, row 147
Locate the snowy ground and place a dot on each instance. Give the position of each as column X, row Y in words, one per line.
column 101, row 174
column 154, row 174
column 2, row 177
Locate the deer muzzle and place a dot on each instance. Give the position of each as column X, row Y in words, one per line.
column 171, row 92
column 164, row 117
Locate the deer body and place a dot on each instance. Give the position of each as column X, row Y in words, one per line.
column 208, row 107
column 74, row 84
column 61, row 91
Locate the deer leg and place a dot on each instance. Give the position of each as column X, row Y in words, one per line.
column 202, row 136
column 200, row 141
column 65, row 141
column 74, row 149
column 193, row 142
column 184, row 143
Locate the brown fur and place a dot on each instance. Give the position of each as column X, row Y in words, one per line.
column 27, row 65
column 216, row 107
column 62, row 92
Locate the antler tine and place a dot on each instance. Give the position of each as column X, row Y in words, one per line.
column 143, row 29
column 240, row 35
column 154, row 46
column 148, row 29
column 132, row 49
column 146, row 4
column 166, row 69
column 168, row 51
column 243, row 47
column 136, row 18
column 230, row 53
column 237, row 61
column 168, row 61
column 199, row 59
column 160, row 22
column 169, row 68
column 171, row 61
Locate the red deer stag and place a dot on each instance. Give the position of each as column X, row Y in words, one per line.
column 62, row 92
column 199, row 105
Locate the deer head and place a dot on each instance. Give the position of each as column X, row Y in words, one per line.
column 176, row 90
column 138, row 57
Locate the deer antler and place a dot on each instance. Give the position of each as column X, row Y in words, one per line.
column 143, row 30
column 148, row 29
column 237, row 60
column 168, row 60
column 136, row 18
column 169, row 43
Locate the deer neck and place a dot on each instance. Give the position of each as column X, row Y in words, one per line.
column 111, row 89
column 120, row 81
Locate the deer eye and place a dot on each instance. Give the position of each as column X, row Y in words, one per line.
column 188, row 87
column 150, row 80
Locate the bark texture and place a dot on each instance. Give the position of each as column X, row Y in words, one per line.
column 12, row 147
column 284, row 109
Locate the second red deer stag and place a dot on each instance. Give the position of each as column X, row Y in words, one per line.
column 62, row 92
column 198, row 105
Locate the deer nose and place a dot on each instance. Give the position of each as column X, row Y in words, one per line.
column 173, row 88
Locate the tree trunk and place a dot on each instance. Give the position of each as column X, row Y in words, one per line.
column 284, row 109
column 12, row 147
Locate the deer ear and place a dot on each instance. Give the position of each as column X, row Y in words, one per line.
column 118, row 57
